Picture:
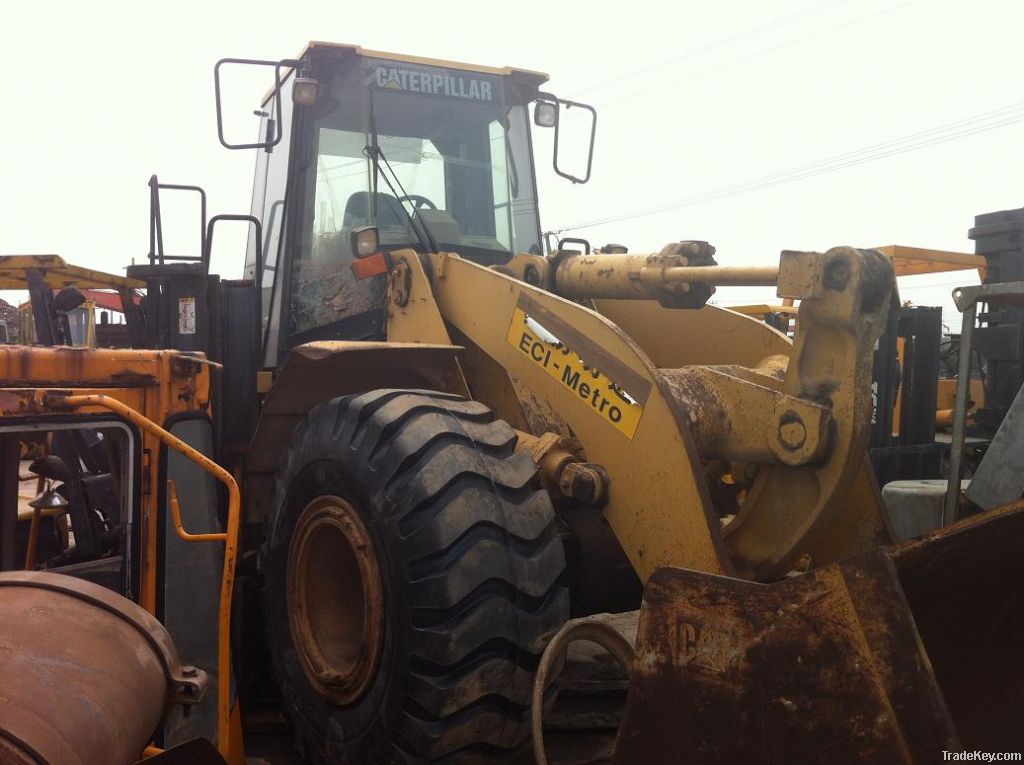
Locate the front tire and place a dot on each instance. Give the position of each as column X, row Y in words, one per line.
column 412, row 581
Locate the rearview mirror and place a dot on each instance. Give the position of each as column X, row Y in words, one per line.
column 548, row 113
column 274, row 130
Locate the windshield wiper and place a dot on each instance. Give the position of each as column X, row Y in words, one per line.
column 418, row 225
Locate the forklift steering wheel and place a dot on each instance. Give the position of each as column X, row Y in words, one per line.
column 418, row 202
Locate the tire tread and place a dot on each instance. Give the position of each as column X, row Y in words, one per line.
column 481, row 558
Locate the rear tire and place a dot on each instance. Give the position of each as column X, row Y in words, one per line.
column 434, row 518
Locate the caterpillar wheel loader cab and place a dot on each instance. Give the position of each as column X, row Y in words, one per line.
column 436, row 155
column 448, row 441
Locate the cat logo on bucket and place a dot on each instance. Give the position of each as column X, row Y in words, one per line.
column 454, row 86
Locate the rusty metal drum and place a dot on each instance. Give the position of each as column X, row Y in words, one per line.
column 86, row 676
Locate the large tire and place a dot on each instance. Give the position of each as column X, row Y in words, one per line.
column 469, row 566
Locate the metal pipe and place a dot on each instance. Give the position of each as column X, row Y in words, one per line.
column 590, row 630
column 963, row 387
column 230, row 545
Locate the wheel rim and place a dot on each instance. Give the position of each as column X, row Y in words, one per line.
column 335, row 600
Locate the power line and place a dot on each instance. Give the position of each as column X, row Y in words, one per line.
column 777, row 179
column 758, row 54
column 720, row 43
column 1004, row 111
column 962, row 128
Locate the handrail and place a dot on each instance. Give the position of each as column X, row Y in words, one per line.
column 172, row 495
column 156, row 225
column 230, row 538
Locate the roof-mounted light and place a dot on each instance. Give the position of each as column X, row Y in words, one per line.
column 545, row 114
column 305, row 90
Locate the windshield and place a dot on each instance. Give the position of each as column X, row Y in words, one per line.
column 452, row 156
column 462, row 173
column 451, row 159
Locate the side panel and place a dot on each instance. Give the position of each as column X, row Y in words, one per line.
column 237, row 407
column 711, row 335
column 188, row 594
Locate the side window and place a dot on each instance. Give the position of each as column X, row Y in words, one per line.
column 341, row 201
column 269, row 207
column 68, row 503
column 323, row 289
column 77, row 321
column 525, row 217
column 500, row 185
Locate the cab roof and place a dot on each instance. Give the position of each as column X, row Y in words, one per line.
column 535, row 78
column 357, row 50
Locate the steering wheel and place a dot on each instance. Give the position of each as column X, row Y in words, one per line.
column 418, row 202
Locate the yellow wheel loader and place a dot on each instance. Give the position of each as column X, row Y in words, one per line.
column 366, row 485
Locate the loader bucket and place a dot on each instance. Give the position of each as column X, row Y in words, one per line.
column 891, row 656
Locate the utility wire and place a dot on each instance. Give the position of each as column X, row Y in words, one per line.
column 660, row 89
column 714, row 45
column 963, row 128
column 984, row 117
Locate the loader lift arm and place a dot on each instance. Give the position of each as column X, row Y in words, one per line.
column 804, row 421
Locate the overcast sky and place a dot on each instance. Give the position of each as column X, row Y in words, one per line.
column 698, row 102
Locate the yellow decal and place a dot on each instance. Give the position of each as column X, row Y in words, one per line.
column 603, row 397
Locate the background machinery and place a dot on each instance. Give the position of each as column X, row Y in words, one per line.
column 437, row 443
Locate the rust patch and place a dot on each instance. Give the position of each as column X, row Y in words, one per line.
column 891, row 656
column 335, row 600
column 12, row 403
column 705, row 408
column 732, row 671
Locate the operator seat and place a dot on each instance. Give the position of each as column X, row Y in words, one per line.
column 389, row 211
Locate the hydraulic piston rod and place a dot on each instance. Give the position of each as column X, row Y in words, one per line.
column 719, row 276
column 672, row 275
